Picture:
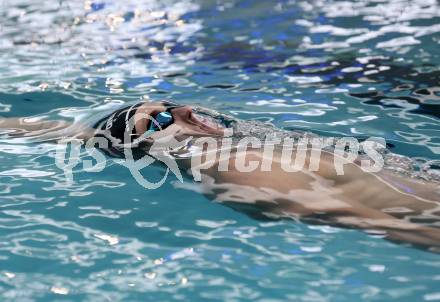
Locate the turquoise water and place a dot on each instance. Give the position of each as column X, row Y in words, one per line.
column 361, row 68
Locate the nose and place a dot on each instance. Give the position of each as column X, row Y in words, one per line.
column 182, row 113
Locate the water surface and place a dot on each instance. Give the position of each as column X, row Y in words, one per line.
column 358, row 68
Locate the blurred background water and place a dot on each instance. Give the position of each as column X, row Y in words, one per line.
column 359, row 68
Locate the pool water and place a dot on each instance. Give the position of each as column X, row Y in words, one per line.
column 357, row 68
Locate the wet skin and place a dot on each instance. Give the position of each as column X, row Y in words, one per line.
column 358, row 199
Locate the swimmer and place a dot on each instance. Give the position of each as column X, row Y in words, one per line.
column 383, row 203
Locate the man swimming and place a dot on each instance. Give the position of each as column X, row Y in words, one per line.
column 382, row 202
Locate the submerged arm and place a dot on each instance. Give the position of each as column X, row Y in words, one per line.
column 30, row 125
column 312, row 196
column 43, row 129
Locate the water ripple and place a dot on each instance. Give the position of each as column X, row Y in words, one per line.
column 362, row 68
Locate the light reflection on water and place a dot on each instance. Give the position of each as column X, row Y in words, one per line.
column 334, row 67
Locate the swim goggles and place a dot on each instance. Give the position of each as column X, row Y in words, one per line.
column 163, row 119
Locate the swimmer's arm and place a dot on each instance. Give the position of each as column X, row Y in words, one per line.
column 31, row 125
column 352, row 215
column 44, row 129
column 397, row 230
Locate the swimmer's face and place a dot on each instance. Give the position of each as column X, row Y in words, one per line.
column 185, row 122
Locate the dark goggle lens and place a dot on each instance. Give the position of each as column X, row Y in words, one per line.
column 162, row 119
